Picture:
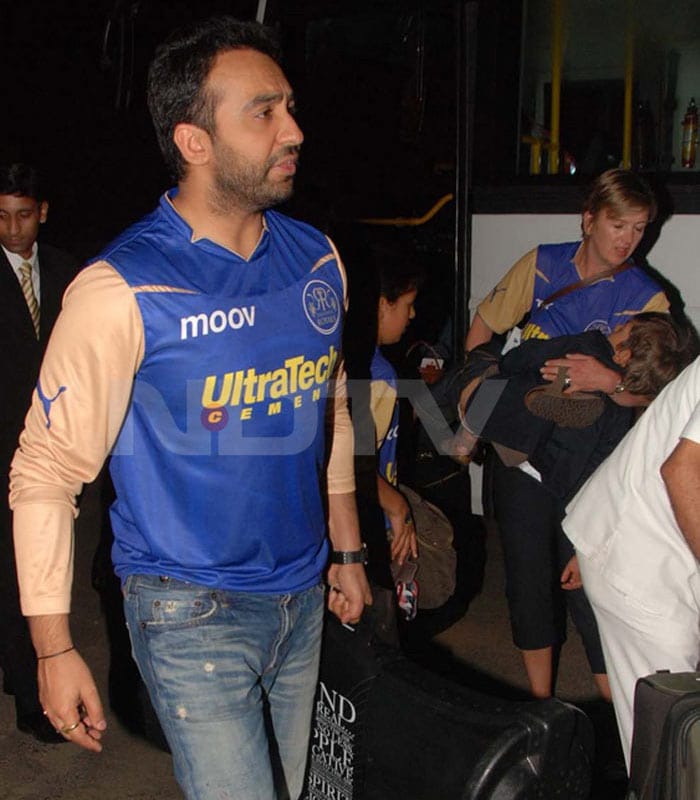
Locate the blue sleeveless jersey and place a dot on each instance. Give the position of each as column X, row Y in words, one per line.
column 601, row 306
column 217, row 466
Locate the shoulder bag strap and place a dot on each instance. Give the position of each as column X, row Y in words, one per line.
column 580, row 284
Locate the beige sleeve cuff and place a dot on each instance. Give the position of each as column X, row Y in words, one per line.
column 86, row 380
column 46, row 557
column 659, row 302
column 511, row 298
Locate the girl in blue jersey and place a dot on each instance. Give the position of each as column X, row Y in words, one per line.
column 398, row 290
column 383, row 283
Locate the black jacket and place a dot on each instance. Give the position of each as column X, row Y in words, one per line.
column 20, row 351
column 564, row 457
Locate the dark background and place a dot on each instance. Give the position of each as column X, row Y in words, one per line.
column 73, row 104
column 376, row 85
column 380, row 118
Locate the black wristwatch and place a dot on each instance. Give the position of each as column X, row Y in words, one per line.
column 350, row 556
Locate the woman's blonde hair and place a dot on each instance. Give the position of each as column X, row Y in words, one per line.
column 620, row 191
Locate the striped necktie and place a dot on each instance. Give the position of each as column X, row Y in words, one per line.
column 28, row 290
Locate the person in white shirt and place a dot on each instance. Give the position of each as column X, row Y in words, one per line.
column 635, row 525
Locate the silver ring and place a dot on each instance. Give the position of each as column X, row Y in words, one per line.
column 567, row 382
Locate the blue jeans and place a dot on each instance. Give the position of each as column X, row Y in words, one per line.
column 213, row 662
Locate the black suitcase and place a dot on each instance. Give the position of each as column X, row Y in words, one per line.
column 386, row 728
column 665, row 762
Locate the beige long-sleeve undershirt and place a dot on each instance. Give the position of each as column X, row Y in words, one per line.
column 86, row 381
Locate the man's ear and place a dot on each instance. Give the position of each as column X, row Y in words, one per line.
column 43, row 211
column 622, row 355
column 193, row 142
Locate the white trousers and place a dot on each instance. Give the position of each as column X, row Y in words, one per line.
column 637, row 641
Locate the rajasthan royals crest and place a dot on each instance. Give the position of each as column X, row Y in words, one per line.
column 321, row 306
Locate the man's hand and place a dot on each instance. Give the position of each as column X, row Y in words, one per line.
column 349, row 591
column 586, row 374
column 571, row 575
column 68, row 695
column 67, row 691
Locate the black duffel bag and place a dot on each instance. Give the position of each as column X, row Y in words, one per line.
column 386, row 728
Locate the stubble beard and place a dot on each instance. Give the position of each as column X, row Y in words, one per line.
column 243, row 185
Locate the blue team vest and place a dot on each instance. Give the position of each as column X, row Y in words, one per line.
column 601, row 306
column 217, row 465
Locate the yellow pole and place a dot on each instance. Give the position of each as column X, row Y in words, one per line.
column 535, row 153
column 555, row 109
column 629, row 78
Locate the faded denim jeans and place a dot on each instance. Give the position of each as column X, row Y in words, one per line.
column 216, row 664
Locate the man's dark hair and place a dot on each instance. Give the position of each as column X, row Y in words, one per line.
column 21, row 179
column 177, row 77
column 660, row 350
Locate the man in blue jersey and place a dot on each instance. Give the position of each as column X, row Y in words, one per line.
column 199, row 349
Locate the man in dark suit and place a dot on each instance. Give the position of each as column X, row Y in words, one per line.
column 33, row 278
